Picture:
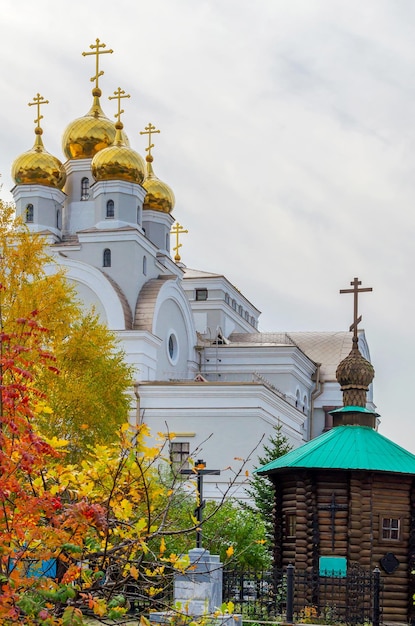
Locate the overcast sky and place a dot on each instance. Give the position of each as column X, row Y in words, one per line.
column 288, row 137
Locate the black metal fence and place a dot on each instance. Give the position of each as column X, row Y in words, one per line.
column 298, row 595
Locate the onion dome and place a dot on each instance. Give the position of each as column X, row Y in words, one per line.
column 38, row 167
column 118, row 161
column 354, row 374
column 87, row 135
column 159, row 195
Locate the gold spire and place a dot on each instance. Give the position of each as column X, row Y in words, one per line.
column 177, row 230
column 87, row 135
column 149, row 130
column 159, row 195
column 38, row 100
column 97, row 50
column 118, row 161
column 118, row 95
column 37, row 166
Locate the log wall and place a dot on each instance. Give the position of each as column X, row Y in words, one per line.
column 362, row 499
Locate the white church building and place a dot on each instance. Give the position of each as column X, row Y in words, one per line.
column 204, row 371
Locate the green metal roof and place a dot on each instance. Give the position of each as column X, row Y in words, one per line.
column 347, row 448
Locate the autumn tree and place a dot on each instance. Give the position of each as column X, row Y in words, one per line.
column 88, row 389
column 104, row 522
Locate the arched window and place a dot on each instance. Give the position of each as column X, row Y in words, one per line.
column 58, row 218
column 110, row 209
column 145, row 265
column 29, row 213
column 297, row 399
column 240, row 310
column 227, row 298
column 168, row 242
column 107, row 258
column 138, row 214
column 85, row 188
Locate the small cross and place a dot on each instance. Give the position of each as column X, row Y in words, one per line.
column 177, row 230
column 38, row 100
column 199, row 470
column 333, row 507
column 356, row 318
column 96, row 48
column 149, row 130
column 117, row 96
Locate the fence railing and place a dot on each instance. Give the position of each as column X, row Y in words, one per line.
column 298, row 595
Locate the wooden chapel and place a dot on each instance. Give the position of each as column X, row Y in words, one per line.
column 347, row 498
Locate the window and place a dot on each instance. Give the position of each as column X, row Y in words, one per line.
column 107, row 258
column 172, row 348
column 110, row 209
column 290, row 525
column 201, row 294
column 85, row 188
column 247, row 316
column 58, row 218
column 390, row 528
column 227, row 298
column 29, row 213
column 138, row 215
column 179, row 454
column 240, row 310
column 145, row 265
column 234, row 305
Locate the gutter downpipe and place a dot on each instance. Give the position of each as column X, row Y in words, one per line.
column 318, row 390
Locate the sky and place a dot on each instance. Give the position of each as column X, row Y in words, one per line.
column 287, row 135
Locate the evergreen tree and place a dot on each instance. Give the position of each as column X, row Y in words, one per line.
column 260, row 489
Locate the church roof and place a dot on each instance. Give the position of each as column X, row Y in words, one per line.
column 327, row 348
column 189, row 273
column 346, row 448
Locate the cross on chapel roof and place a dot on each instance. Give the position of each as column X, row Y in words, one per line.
column 356, row 318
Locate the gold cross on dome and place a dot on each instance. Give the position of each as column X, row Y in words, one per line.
column 97, row 50
column 149, row 130
column 355, row 291
column 120, row 93
column 38, row 100
column 177, row 230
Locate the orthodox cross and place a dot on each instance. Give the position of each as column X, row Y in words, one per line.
column 199, row 470
column 38, row 100
column 149, row 130
column 177, row 230
column 355, row 291
column 118, row 95
column 97, row 50
column 333, row 507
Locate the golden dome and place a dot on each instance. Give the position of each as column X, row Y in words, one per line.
column 87, row 135
column 118, row 161
column 38, row 167
column 159, row 195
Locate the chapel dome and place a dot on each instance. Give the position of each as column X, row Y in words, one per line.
column 87, row 135
column 159, row 196
column 354, row 375
column 118, row 161
column 38, row 167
